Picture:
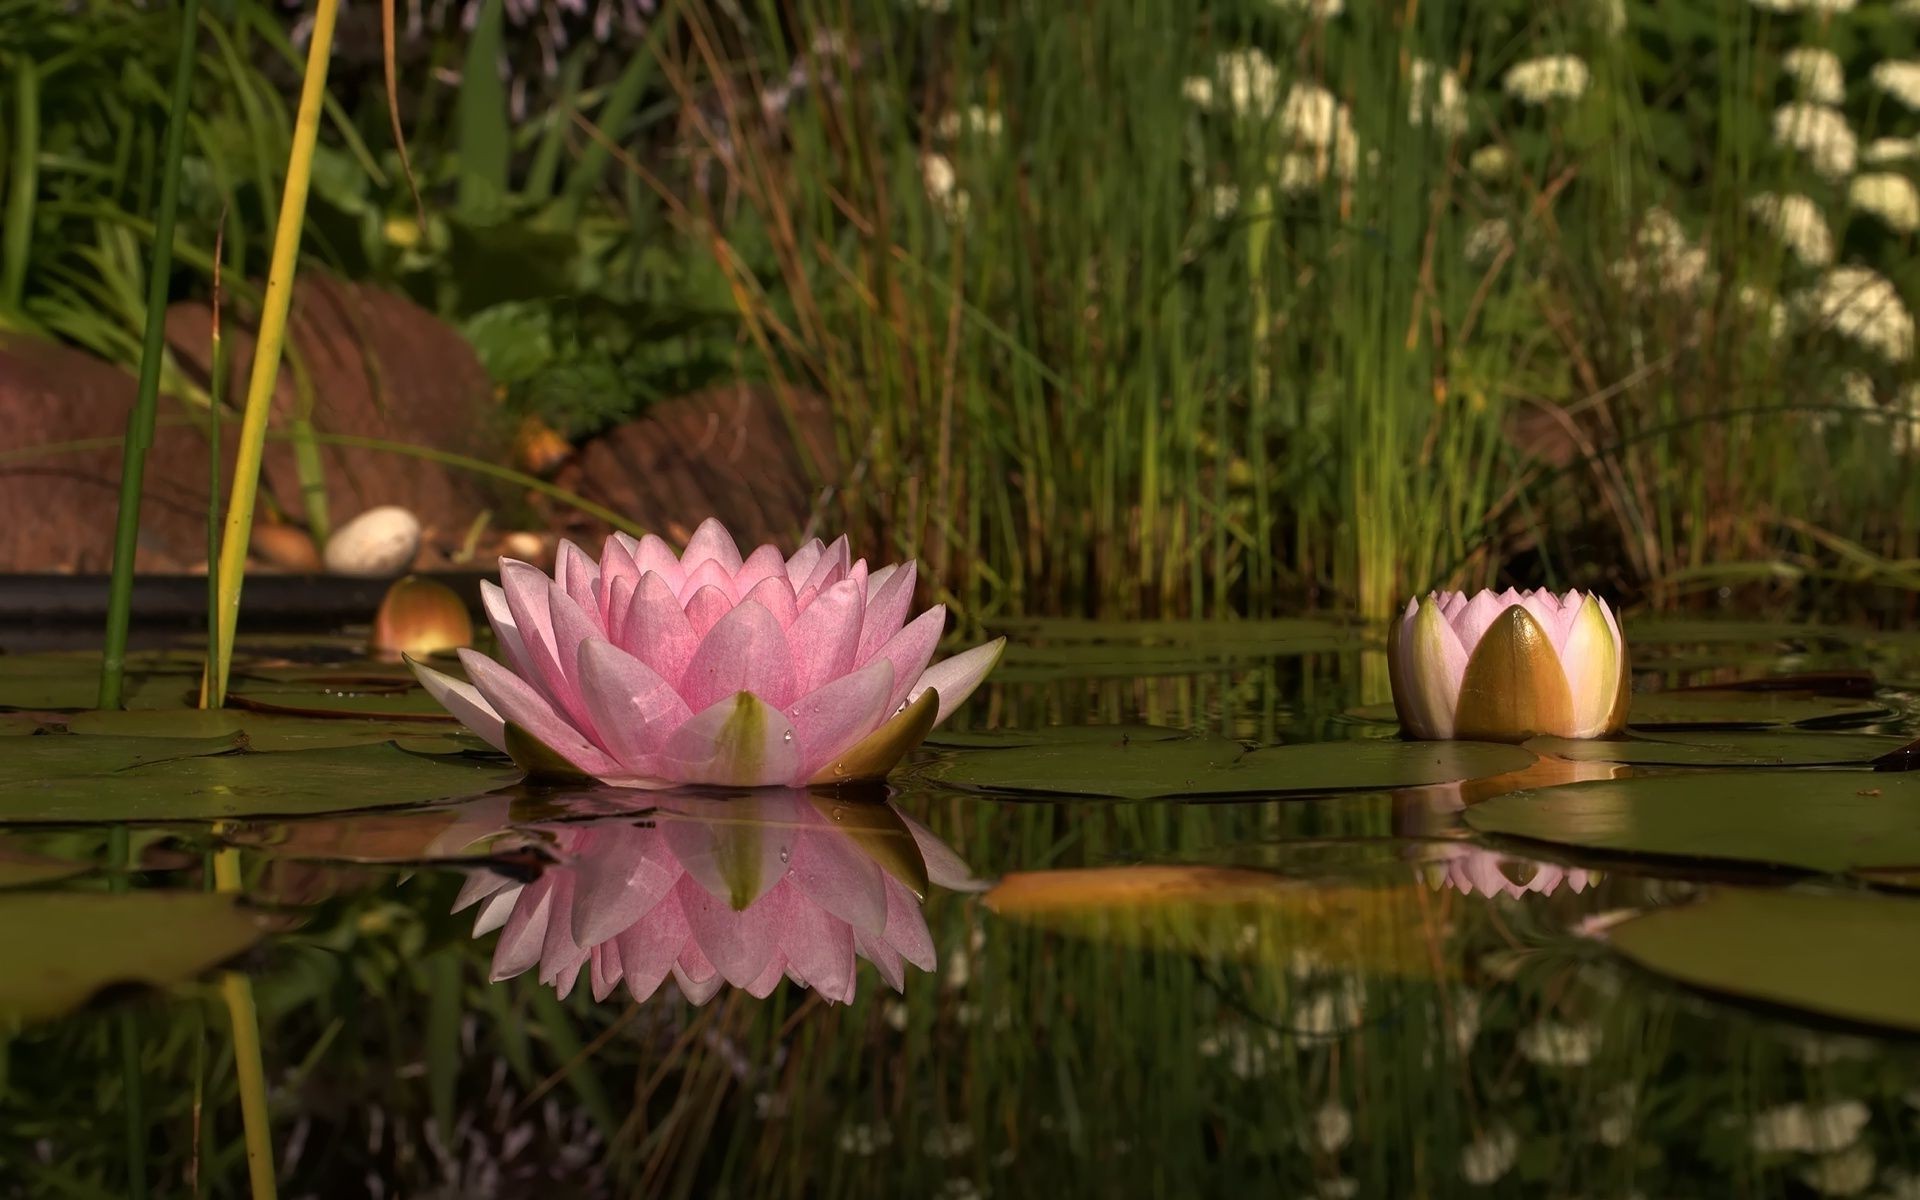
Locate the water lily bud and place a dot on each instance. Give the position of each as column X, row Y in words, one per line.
column 420, row 617
column 1508, row 666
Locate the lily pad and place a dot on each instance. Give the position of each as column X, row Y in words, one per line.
column 1216, row 767
column 55, row 756
column 1827, row 821
column 209, row 786
column 1738, row 707
column 1725, row 748
column 1052, row 735
column 64, row 948
column 1846, row 956
column 343, row 700
column 266, row 731
column 19, row 724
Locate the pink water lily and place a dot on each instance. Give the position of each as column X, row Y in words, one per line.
column 648, row 668
column 779, row 884
column 1509, row 665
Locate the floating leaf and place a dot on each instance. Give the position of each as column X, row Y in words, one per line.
column 1215, row 767
column 268, row 731
column 343, row 700
column 20, row 724
column 1052, row 735
column 64, row 948
column 207, row 786
column 1846, row 956
column 1733, row 707
column 1830, row 821
column 1726, row 748
column 55, row 756
column 445, row 832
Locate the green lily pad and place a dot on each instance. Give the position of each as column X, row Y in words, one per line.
column 1733, row 707
column 35, row 761
column 392, row 702
column 1052, row 735
column 268, row 731
column 1845, row 956
column 1216, row 767
column 211, row 786
column 1829, row 821
column 64, row 948
column 19, row 724
column 1725, row 748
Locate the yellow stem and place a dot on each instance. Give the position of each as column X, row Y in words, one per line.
column 275, row 302
column 237, row 990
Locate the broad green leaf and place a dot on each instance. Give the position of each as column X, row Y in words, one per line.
column 64, row 948
column 1829, row 821
column 1735, row 707
column 271, row 731
column 1725, row 748
column 1843, row 955
column 184, row 787
column 1216, row 767
column 1052, row 735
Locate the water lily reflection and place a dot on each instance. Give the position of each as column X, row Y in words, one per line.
column 746, row 890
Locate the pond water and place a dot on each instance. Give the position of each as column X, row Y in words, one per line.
column 1195, row 921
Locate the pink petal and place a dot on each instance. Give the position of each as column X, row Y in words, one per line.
column 705, row 608
column 885, row 959
column 825, row 636
column 738, row 944
column 886, row 613
column 618, row 884
column 560, row 952
column 1475, row 618
column 819, row 949
column 834, row 716
column 657, row 632
column 504, row 630
column 479, row 885
column 530, row 598
column 801, row 564
column 907, row 926
column 835, row 561
column 650, row 947
column 711, row 543
column 745, row 652
column 775, row 595
column 571, row 629
column 579, row 577
column 708, row 574
column 768, row 979
column 496, row 912
column 909, row 651
column 654, row 555
column 604, row 969
column 740, row 858
column 516, row 701
column 616, row 567
column 766, row 562
column 955, row 678
column 619, row 604
column 830, row 870
column 945, row 867
column 526, row 930
column 697, row 984
column 465, row 702
column 633, row 709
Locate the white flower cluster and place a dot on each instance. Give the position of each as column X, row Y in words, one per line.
column 1488, row 239
column 975, row 119
column 1553, row 77
column 1821, row 1129
column 1821, row 133
column 1797, row 221
column 943, row 187
column 1489, row 1156
column 1816, row 73
column 1818, row 6
column 1436, row 98
column 1321, row 130
column 1890, row 150
column 1666, row 258
column 1847, row 1173
column 1548, row 1043
column 1860, row 304
column 1251, row 81
column 1321, row 9
column 1891, row 197
column 1899, row 78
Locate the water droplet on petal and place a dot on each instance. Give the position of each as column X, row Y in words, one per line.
column 785, row 854
column 839, row 814
column 787, row 736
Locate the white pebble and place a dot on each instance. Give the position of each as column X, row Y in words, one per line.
column 377, row 543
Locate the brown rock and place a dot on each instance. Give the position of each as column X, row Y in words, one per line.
column 729, row 452
column 61, row 503
column 376, row 365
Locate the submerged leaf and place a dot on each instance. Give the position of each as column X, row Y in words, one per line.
column 64, row 948
column 1846, row 956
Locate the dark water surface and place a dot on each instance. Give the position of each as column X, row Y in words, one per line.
column 1332, row 990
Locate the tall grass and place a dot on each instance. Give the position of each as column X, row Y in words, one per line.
column 1118, row 352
